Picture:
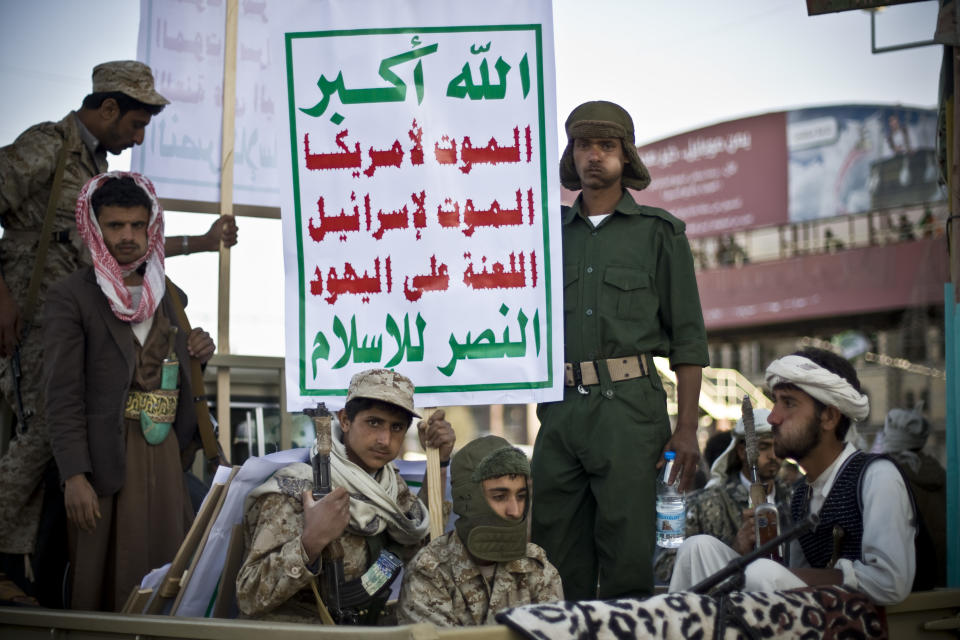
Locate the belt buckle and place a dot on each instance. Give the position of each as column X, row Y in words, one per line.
column 578, row 379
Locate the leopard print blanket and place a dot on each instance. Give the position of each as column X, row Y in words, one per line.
column 814, row 612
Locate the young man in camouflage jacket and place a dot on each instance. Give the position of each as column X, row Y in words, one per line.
column 369, row 510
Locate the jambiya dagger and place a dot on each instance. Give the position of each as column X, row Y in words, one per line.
column 766, row 517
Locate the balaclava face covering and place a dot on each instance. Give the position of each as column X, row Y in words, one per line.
column 486, row 535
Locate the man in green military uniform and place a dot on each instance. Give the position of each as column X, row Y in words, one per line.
column 629, row 294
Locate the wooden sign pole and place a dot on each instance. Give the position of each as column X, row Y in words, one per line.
column 226, row 208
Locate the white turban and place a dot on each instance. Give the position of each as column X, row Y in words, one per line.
column 905, row 430
column 721, row 466
column 822, row 384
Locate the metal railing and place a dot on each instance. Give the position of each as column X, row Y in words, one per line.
column 721, row 391
column 878, row 227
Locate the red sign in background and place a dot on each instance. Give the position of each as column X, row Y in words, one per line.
column 855, row 281
column 721, row 178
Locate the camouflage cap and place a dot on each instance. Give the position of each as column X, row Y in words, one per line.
column 128, row 77
column 602, row 119
column 385, row 385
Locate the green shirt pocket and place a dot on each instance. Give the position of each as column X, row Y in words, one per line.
column 628, row 293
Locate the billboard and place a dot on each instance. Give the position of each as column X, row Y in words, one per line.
column 794, row 166
column 853, row 159
column 721, row 178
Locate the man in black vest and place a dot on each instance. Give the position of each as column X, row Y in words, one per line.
column 865, row 539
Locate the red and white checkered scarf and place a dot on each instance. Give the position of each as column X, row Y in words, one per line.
column 109, row 273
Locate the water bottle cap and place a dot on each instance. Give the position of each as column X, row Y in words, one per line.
column 669, row 455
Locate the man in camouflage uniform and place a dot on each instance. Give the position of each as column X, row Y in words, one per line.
column 465, row 577
column 630, row 293
column 112, row 118
column 722, row 509
column 370, row 508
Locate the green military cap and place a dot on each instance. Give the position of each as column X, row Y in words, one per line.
column 602, row 119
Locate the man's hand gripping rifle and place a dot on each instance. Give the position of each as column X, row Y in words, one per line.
column 730, row 578
column 332, row 556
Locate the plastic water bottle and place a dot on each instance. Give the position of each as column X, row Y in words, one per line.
column 671, row 508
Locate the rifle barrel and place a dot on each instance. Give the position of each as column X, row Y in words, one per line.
column 739, row 563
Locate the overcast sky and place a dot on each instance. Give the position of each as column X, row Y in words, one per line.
column 675, row 65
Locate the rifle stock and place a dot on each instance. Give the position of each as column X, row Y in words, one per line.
column 738, row 564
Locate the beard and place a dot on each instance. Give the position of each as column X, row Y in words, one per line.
column 799, row 446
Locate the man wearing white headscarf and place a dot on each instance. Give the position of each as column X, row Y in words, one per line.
column 722, row 508
column 816, row 396
column 118, row 399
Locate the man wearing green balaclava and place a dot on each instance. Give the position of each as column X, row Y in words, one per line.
column 629, row 294
column 486, row 564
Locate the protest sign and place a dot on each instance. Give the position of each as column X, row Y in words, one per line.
column 183, row 44
column 421, row 222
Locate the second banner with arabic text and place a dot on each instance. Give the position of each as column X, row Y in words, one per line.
column 418, row 231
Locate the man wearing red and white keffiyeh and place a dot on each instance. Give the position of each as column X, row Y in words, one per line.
column 117, row 385
column 114, row 276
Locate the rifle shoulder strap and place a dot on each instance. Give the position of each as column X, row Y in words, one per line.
column 46, row 234
column 204, row 425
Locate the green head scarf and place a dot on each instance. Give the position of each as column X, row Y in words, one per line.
column 601, row 119
column 485, row 534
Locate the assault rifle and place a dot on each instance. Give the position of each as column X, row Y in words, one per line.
column 332, row 556
column 730, row 578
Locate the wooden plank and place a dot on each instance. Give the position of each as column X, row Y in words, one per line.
column 236, row 361
column 184, row 577
column 127, row 604
column 201, row 206
column 434, row 492
column 185, row 552
column 226, row 208
column 286, row 423
column 137, row 600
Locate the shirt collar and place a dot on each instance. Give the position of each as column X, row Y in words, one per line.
column 89, row 140
column 822, row 485
column 626, row 205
